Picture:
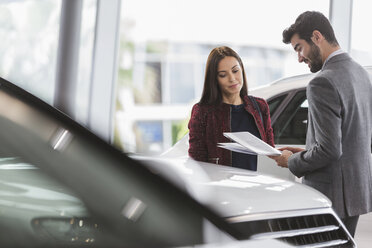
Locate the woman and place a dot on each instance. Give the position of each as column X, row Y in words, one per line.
column 226, row 107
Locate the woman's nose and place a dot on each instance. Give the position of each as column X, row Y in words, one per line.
column 232, row 78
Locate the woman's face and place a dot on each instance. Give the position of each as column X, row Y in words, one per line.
column 229, row 76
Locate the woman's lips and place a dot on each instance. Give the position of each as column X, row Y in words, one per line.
column 234, row 85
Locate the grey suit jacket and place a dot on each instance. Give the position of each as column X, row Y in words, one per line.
column 337, row 159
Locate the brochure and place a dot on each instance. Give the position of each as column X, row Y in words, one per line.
column 246, row 142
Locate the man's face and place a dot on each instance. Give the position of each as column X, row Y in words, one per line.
column 308, row 53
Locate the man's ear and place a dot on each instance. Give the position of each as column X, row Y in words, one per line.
column 317, row 37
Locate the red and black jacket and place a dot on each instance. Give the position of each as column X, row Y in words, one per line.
column 209, row 122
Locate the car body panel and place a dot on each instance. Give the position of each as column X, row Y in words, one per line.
column 282, row 86
column 234, row 192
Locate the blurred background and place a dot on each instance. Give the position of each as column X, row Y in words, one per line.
column 136, row 67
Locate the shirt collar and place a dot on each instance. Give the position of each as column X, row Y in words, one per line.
column 337, row 52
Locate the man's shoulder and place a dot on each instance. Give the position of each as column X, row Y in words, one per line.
column 341, row 70
column 336, row 71
column 341, row 64
column 321, row 85
column 324, row 76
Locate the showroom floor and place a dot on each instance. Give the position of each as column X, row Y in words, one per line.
column 363, row 235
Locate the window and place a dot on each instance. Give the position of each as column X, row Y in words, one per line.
column 87, row 31
column 275, row 103
column 29, row 39
column 181, row 82
column 291, row 125
column 150, row 135
column 361, row 49
column 29, row 45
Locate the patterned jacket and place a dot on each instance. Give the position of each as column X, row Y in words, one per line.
column 209, row 122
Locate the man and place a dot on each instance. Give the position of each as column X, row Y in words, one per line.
column 337, row 159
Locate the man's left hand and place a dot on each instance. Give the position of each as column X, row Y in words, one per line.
column 282, row 160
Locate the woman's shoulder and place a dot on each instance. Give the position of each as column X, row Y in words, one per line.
column 259, row 100
column 198, row 109
column 205, row 107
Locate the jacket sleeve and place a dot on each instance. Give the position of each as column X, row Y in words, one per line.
column 264, row 107
column 326, row 120
column 197, row 135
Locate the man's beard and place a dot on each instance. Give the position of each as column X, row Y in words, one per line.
column 315, row 58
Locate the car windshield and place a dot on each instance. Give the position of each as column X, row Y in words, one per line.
column 61, row 185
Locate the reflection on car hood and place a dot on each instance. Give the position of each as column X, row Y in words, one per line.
column 234, row 192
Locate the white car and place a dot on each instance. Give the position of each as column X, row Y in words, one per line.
column 259, row 206
column 62, row 186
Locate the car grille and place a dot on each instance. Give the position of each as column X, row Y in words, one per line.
column 302, row 231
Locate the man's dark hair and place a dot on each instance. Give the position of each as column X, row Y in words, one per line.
column 306, row 23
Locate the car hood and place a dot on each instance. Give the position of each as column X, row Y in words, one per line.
column 235, row 192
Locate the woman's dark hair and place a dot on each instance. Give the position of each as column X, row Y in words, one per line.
column 306, row 23
column 211, row 91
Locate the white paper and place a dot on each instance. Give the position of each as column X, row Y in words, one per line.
column 248, row 143
column 235, row 147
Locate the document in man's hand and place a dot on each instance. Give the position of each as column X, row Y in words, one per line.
column 248, row 143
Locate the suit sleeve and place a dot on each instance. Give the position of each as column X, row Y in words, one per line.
column 197, row 135
column 325, row 117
